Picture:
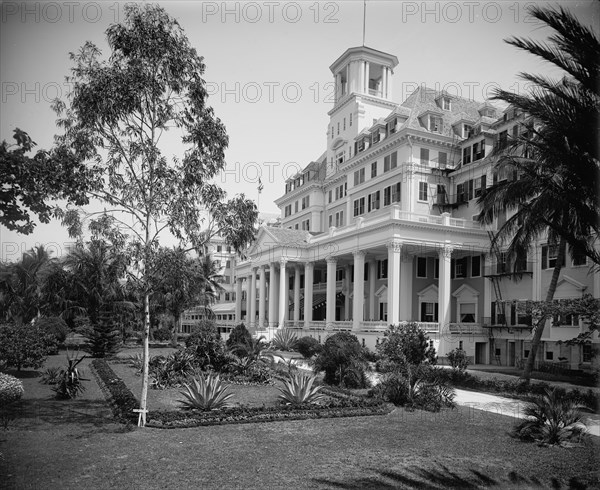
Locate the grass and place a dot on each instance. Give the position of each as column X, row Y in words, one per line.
column 75, row 444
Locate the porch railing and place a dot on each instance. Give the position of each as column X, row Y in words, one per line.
column 465, row 328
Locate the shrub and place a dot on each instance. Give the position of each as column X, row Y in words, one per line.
column 171, row 370
column 551, row 419
column 417, row 387
column 207, row 346
column 340, row 358
column 51, row 376
column 458, row 359
column 406, row 344
column 123, row 400
column 206, row 394
column 11, row 389
column 162, row 334
column 70, row 381
column 239, row 336
column 284, row 340
column 300, row 389
column 308, row 347
column 25, row 346
column 105, row 337
column 55, row 326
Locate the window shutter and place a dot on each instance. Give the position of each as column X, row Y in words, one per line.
column 495, row 181
column 423, row 311
column 470, row 189
column 544, row 257
column 452, row 264
column 493, row 312
column 436, row 312
column 483, row 183
column 513, row 314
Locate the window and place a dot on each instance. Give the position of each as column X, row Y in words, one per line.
column 359, row 206
column 331, row 132
column 501, row 263
column 288, row 210
column 442, row 158
column 339, row 218
column 374, row 170
column 436, row 269
column 382, row 269
column 466, row 155
column 226, row 296
column 330, row 220
column 359, row 176
column 383, row 311
column 344, row 124
column 460, row 268
column 578, row 257
column 338, row 128
column 330, row 195
column 390, row 162
column 549, row 356
column 467, row 312
column 436, row 124
column 476, row 266
column 422, row 267
column 339, row 275
column 296, row 207
column 350, row 119
column 478, row 186
column 306, row 225
column 479, row 150
column 460, row 193
column 424, row 156
column 587, row 353
column 228, row 264
column 429, row 312
column 467, row 130
column 446, row 104
column 549, row 256
column 339, row 157
column 305, row 202
column 340, row 191
column 373, row 201
column 391, row 194
column 219, row 248
column 503, row 140
column 422, row 191
column 296, row 226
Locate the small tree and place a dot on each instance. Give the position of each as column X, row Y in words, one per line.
column 239, row 336
column 341, row 359
column 458, row 359
column 25, row 346
column 206, row 344
column 105, row 339
column 406, row 344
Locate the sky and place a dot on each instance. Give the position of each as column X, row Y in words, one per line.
column 267, row 71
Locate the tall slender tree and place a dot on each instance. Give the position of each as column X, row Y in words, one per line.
column 116, row 115
column 554, row 160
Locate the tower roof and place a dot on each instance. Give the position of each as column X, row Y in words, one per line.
column 364, row 53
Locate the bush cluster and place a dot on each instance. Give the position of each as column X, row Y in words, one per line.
column 11, row 389
column 458, row 359
column 341, row 357
column 308, row 347
column 162, row 334
column 25, row 345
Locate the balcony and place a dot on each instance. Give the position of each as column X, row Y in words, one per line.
column 375, row 92
column 466, row 328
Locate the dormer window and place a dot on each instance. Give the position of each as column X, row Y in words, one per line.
column 339, row 158
column 436, row 123
column 446, row 103
column 467, row 130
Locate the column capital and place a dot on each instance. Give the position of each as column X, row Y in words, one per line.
column 445, row 251
column 297, row 267
column 309, row 265
column 394, row 245
column 262, row 267
column 331, row 260
column 359, row 254
column 283, row 262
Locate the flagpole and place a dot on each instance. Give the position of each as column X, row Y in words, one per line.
column 364, row 19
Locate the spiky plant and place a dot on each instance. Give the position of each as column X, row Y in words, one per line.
column 284, row 340
column 206, row 394
column 70, row 381
column 299, row 389
column 551, row 419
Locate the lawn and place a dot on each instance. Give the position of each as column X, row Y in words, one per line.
column 75, row 444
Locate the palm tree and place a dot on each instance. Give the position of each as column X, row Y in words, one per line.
column 555, row 156
column 21, row 285
column 211, row 281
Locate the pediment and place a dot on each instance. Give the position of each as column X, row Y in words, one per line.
column 568, row 287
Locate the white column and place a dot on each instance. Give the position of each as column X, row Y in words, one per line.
column 238, row 299
column 273, row 299
column 406, row 292
column 308, row 293
column 283, row 292
column 330, row 298
column 536, row 283
column 367, row 75
column 297, row 293
column 389, row 83
column 338, row 87
column 262, row 296
column 445, row 254
column 488, row 295
column 384, row 77
column 358, row 297
column 361, row 77
column 252, row 296
column 373, row 315
column 394, row 251
column 347, row 288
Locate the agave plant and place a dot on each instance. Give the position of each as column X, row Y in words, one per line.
column 299, row 389
column 206, row 394
column 70, row 381
column 51, row 376
column 284, row 340
column 551, row 419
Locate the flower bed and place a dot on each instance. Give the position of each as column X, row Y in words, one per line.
column 340, row 404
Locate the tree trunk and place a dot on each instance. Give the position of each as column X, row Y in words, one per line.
column 144, row 396
column 175, row 327
column 541, row 323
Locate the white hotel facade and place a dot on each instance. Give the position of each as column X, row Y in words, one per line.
column 381, row 229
